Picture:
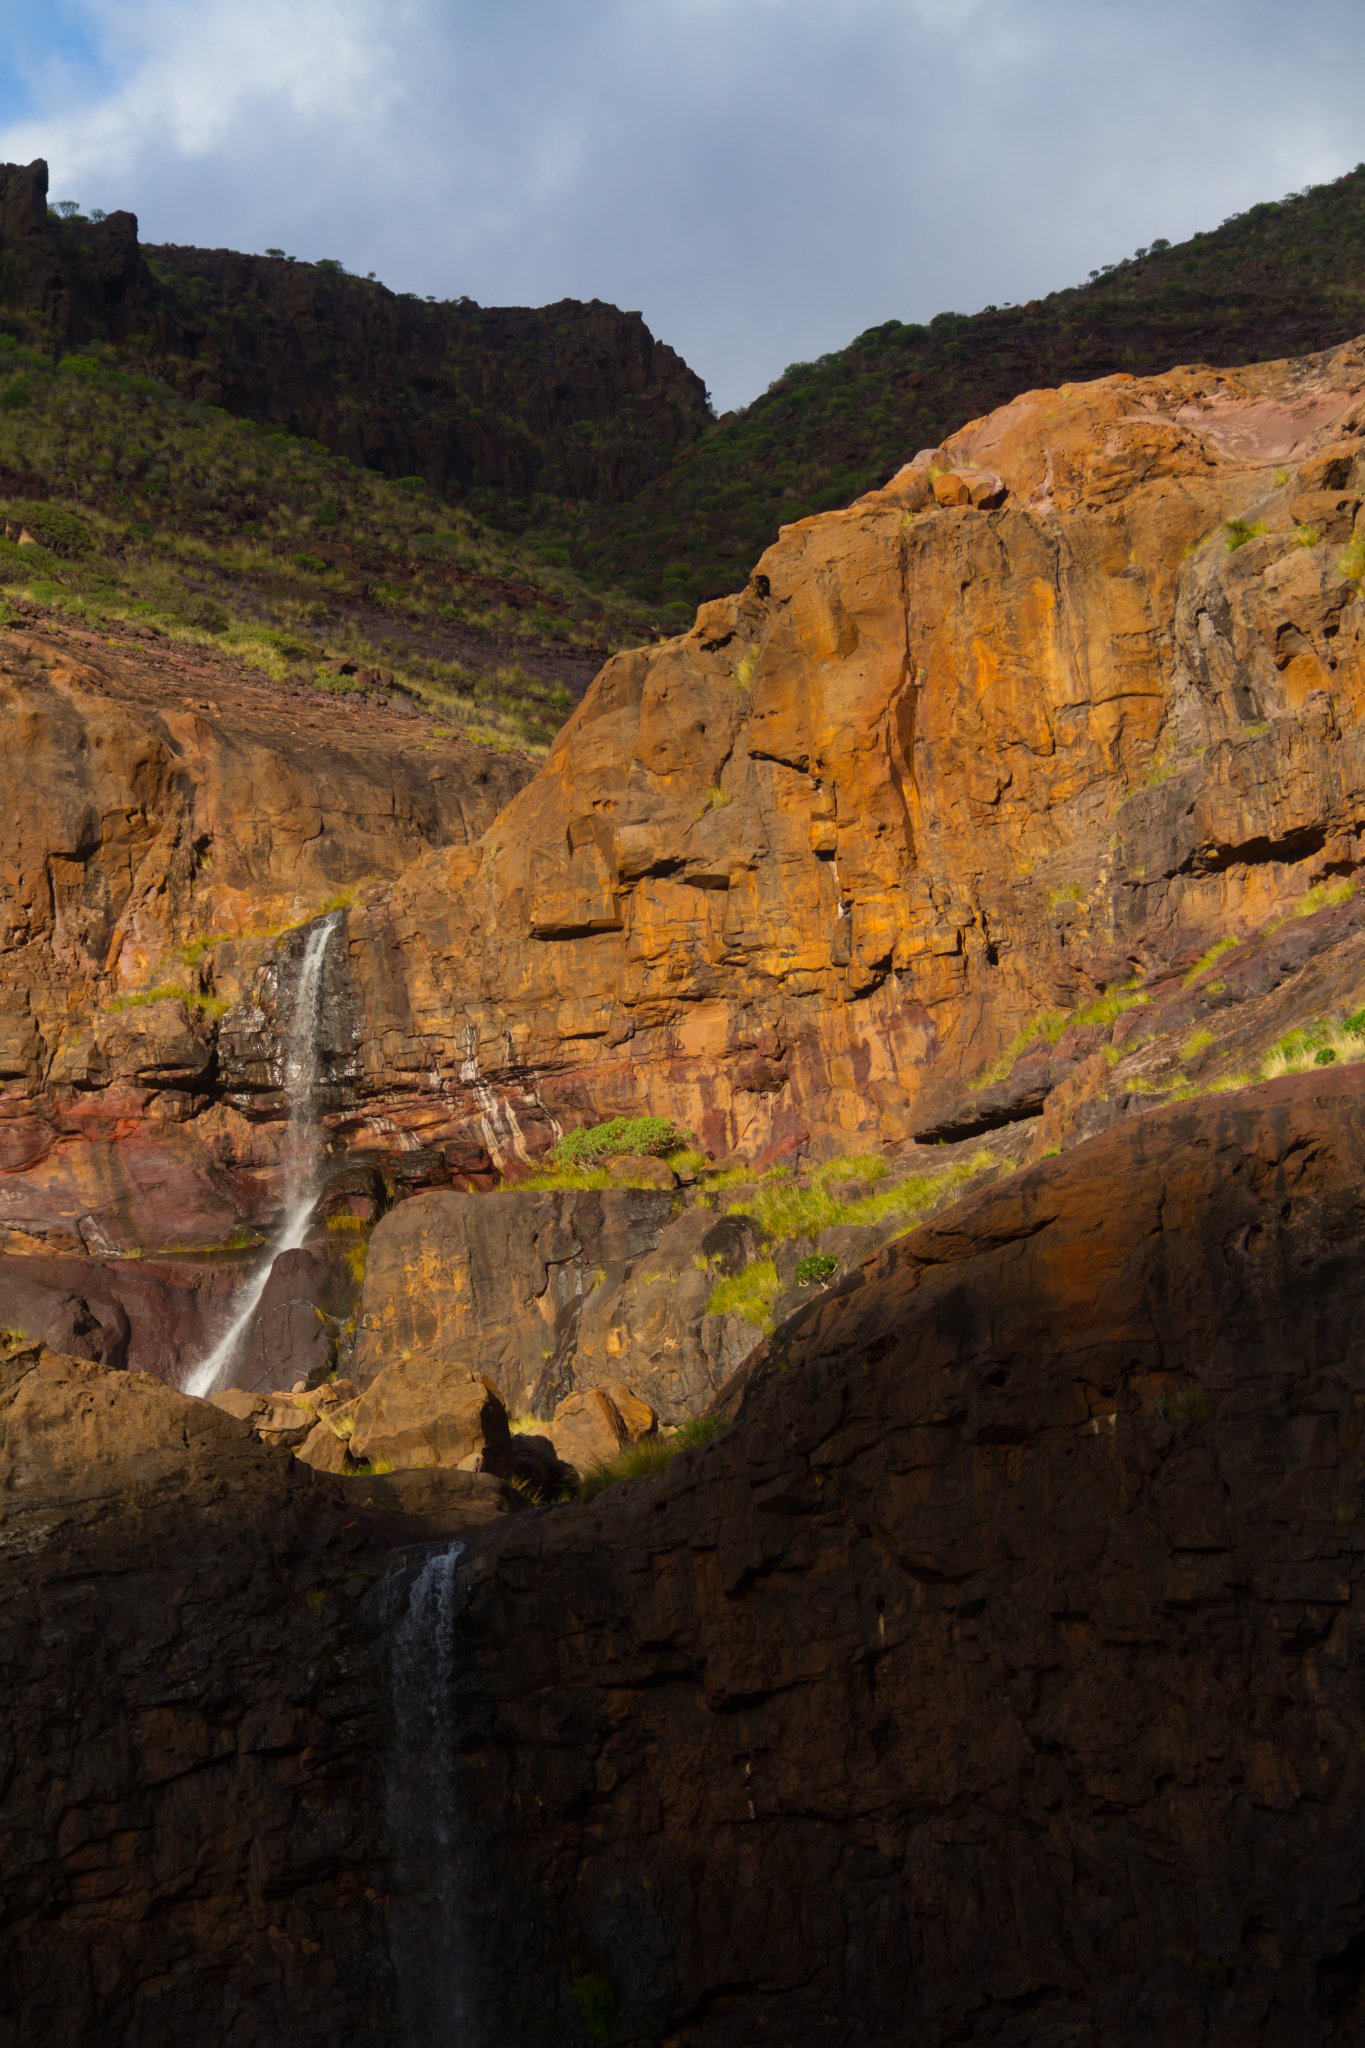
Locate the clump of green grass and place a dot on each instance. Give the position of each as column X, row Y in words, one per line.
column 787, row 1210
column 750, row 1294
column 342, row 1224
column 1237, row 532
column 1210, row 958
column 1187, row 1405
column 208, row 1006
column 556, row 1177
column 686, row 1160
column 1050, row 1024
column 1069, row 892
column 1306, row 535
column 1323, row 1044
column 595, row 2002
column 652, row 1454
column 1351, row 560
column 1197, row 1042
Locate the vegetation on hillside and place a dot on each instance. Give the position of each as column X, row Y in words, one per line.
column 144, row 506
column 1278, row 280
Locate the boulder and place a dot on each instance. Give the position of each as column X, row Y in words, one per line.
column 294, row 1330
column 496, row 1281
column 637, row 1415
column 324, row 1449
column 237, row 1402
column 646, row 1323
column 283, row 1423
column 535, row 1465
column 426, row 1411
column 588, row 1429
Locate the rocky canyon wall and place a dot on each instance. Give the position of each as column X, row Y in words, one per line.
column 989, row 743
column 1074, row 696
column 992, row 1678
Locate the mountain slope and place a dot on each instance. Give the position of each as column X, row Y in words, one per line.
column 578, row 401
column 1279, row 280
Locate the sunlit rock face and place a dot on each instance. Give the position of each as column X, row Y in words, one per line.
column 953, row 756
column 1074, row 696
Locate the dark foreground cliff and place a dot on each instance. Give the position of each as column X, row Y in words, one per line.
column 994, row 1677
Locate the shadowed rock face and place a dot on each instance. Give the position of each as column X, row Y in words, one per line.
column 995, row 1676
column 194, row 1705
column 191, row 1815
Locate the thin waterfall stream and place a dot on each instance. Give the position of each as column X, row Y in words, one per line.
column 426, row 1935
column 300, row 1063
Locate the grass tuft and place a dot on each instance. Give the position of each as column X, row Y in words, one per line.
column 1210, row 959
column 651, row 1455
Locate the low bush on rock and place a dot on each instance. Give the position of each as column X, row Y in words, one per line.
column 651, row 1455
column 652, row 1136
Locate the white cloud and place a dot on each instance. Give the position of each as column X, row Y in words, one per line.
column 762, row 178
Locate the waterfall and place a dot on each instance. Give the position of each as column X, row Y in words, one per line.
column 425, row 1934
column 300, row 1064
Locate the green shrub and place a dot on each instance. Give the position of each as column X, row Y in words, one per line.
column 16, row 395
column 205, row 614
column 61, row 532
column 650, row 1135
column 815, row 1270
column 1238, row 532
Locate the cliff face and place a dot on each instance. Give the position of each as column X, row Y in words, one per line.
column 994, row 1676
column 847, row 867
column 576, row 400
column 981, row 747
column 82, row 278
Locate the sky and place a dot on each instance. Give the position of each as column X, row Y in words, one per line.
column 762, row 179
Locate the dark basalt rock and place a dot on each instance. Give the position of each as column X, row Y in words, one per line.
column 994, row 1677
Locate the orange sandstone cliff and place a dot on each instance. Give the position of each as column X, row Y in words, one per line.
column 1072, row 698
column 986, row 744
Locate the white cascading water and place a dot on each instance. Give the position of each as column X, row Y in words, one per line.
column 425, row 1931
column 300, row 1063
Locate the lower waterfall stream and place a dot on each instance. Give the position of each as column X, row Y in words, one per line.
column 300, row 1073
column 426, row 1938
